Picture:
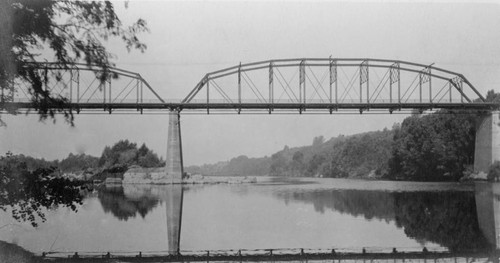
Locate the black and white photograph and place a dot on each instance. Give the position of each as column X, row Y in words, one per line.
column 249, row 131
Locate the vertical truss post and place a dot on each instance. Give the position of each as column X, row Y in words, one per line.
column 364, row 78
column 45, row 80
column 420, row 86
column 137, row 91
column 70, row 86
column 302, row 81
column 109, row 82
column 333, row 78
column 367, row 83
column 360, row 83
column 103, row 86
column 390, row 84
column 77, row 86
column 458, row 83
column 239, row 85
column 208, row 95
column 393, row 78
column 424, row 77
column 399, row 85
column 142, row 92
column 449, row 91
column 461, row 88
column 430, row 84
column 271, row 86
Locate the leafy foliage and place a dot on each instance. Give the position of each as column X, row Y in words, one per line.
column 433, row 147
column 65, row 32
column 125, row 153
column 494, row 172
column 78, row 162
column 27, row 193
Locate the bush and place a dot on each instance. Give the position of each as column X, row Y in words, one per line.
column 494, row 172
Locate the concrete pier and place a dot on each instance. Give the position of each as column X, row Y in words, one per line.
column 487, row 148
column 174, row 164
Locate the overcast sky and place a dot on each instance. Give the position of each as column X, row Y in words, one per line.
column 189, row 39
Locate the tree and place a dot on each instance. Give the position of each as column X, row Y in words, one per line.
column 66, row 32
column 27, row 193
column 125, row 153
column 433, row 147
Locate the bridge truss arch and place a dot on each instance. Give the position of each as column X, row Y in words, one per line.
column 89, row 88
column 332, row 84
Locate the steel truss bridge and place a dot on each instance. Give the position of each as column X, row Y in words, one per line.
column 304, row 85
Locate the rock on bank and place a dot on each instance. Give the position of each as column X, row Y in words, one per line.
column 160, row 176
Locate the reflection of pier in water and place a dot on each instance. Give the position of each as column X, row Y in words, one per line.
column 488, row 211
column 173, row 196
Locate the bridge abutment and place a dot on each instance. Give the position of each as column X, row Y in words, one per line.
column 174, row 164
column 487, row 149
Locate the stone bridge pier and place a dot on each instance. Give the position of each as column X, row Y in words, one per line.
column 174, row 170
column 174, row 165
column 487, row 149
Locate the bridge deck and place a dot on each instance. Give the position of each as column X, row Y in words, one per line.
column 236, row 107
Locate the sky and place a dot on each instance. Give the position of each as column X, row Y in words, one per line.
column 187, row 39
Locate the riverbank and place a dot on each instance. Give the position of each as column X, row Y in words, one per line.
column 11, row 253
column 200, row 179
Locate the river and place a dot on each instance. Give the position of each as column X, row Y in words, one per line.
column 272, row 213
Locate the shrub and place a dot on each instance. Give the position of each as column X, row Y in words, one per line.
column 494, row 172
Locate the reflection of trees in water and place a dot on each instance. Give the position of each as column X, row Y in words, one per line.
column 447, row 218
column 122, row 207
column 369, row 204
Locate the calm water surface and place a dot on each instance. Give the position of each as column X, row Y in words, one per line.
column 274, row 213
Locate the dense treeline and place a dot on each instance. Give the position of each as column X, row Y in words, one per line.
column 117, row 157
column 342, row 156
column 239, row 166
